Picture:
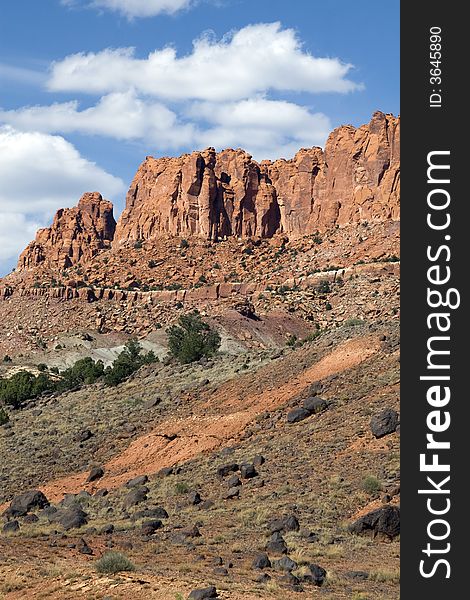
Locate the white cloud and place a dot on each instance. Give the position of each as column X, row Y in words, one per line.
column 16, row 231
column 38, row 174
column 122, row 116
column 266, row 128
column 136, row 8
column 256, row 59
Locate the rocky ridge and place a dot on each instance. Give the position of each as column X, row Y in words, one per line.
column 227, row 194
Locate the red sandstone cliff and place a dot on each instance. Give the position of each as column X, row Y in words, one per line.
column 215, row 195
column 77, row 233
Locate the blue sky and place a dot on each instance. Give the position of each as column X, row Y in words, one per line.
column 88, row 88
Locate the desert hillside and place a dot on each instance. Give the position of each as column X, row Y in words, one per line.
column 208, row 387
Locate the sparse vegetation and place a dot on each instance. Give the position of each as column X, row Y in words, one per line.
column 324, row 287
column 24, row 385
column 4, row 418
column 127, row 363
column 7, row 359
column 353, row 322
column 192, row 338
column 371, row 484
column 114, row 562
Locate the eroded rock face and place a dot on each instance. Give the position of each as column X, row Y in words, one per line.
column 217, row 195
column 356, row 178
column 77, row 233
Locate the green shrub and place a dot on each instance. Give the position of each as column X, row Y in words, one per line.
column 113, row 562
column 23, row 386
column 85, row 371
column 184, row 244
column 292, row 341
column 353, row 322
column 181, row 488
column 4, row 418
column 7, row 359
column 42, row 367
column 371, row 484
column 127, row 363
column 192, row 338
column 323, row 287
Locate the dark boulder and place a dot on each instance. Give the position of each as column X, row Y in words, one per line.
column 150, row 513
column 22, row 504
column 72, row 518
column 384, row 423
column 261, row 561
column 137, row 481
column 314, row 404
column 11, row 527
column 248, row 471
column 384, row 521
column 231, row 493
column 95, row 474
column 203, row 593
column 233, row 481
column 224, row 470
column 194, row 498
column 298, row 414
column 285, row 564
column 150, row 527
column 135, row 496
column 315, row 575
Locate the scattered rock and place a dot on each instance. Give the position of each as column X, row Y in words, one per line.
column 291, row 523
column 11, row 527
column 233, row 481
column 383, row 521
column 151, row 403
column 95, row 473
column 165, row 472
column 135, row 496
column 226, row 469
column 84, row 435
column 203, row 593
column 261, row 561
column 285, row 564
column 150, row 513
column 298, row 414
column 315, row 575
column 84, row 548
column 192, row 532
column 72, row 518
column 101, row 493
column 258, row 460
column 263, row 578
column 29, row 519
column 248, row 471
column 107, row 529
column 137, row 481
column 384, row 423
column 194, row 498
column 231, row 493
column 309, row 536
column 150, row 527
column 359, row 575
column 315, row 405
column 221, row 571
column 22, row 504
column 276, row 544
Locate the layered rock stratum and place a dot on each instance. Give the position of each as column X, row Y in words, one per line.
column 356, row 178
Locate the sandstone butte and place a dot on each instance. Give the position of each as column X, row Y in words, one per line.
column 356, row 178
